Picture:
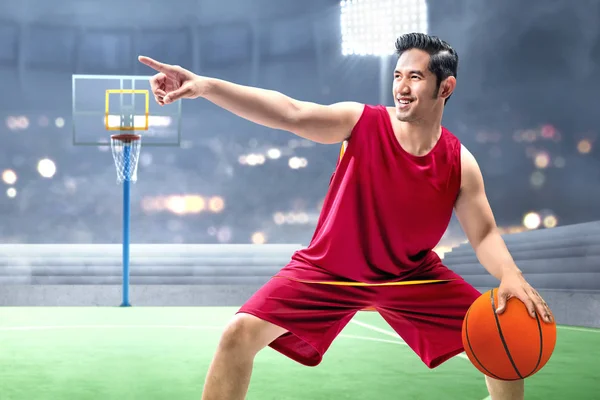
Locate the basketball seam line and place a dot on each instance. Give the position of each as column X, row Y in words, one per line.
column 502, row 335
column 541, row 344
column 471, row 348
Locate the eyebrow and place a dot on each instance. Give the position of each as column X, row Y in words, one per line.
column 416, row 72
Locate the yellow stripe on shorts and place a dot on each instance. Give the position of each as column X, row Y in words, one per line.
column 396, row 283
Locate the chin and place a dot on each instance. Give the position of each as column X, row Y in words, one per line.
column 404, row 117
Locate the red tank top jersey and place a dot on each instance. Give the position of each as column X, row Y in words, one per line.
column 385, row 210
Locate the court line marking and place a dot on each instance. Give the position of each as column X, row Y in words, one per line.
column 395, row 335
column 54, row 327
column 398, row 340
column 372, row 339
column 461, row 355
column 190, row 327
column 392, row 334
column 578, row 329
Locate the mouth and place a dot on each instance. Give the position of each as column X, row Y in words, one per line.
column 403, row 102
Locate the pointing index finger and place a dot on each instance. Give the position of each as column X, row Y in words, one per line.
column 156, row 65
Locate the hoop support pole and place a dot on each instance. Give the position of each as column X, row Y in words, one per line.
column 126, row 209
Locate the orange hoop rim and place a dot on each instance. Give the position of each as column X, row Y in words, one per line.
column 126, row 137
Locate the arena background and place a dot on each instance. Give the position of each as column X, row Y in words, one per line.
column 213, row 219
column 525, row 105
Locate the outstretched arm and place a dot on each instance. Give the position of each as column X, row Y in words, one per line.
column 320, row 123
column 477, row 220
column 316, row 122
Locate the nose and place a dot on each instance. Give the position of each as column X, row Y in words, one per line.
column 405, row 89
column 403, row 86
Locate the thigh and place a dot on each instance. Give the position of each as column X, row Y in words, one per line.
column 311, row 314
column 429, row 317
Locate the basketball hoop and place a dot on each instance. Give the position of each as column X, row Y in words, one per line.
column 118, row 107
column 126, row 151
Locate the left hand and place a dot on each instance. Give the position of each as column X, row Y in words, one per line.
column 513, row 284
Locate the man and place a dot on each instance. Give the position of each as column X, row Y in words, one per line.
column 390, row 201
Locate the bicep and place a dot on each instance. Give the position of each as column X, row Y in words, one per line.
column 326, row 123
column 472, row 207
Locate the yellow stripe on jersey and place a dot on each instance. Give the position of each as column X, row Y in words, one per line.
column 343, row 150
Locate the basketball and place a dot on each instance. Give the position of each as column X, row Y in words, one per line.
column 509, row 346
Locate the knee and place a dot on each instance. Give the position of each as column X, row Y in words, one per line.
column 241, row 335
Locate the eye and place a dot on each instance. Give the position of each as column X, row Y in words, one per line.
column 415, row 77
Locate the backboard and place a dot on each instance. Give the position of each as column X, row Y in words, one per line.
column 104, row 105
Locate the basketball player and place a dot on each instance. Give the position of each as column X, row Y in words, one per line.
column 389, row 202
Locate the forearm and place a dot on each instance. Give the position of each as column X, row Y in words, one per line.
column 494, row 255
column 265, row 107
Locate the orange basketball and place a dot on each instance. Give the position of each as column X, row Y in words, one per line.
column 509, row 346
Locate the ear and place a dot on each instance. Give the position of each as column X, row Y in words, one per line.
column 447, row 87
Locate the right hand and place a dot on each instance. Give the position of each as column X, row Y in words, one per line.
column 172, row 82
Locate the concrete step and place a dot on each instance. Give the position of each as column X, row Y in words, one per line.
column 555, row 243
column 115, row 250
column 148, row 280
column 568, row 281
column 189, row 261
column 531, row 254
column 157, row 270
column 551, row 265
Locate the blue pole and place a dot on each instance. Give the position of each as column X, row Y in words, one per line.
column 126, row 186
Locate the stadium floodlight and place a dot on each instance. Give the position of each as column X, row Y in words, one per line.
column 370, row 27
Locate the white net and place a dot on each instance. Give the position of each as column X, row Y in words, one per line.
column 126, row 153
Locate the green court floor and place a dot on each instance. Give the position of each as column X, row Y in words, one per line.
column 163, row 353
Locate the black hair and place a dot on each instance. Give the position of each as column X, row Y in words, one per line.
column 443, row 58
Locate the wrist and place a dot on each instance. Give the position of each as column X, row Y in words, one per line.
column 204, row 86
column 511, row 270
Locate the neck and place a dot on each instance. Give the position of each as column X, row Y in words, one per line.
column 419, row 137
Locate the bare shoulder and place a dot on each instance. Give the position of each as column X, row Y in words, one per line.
column 325, row 124
column 350, row 106
column 349, row 113
column 467, row 159
column 349, row 110
column 346, row 107
column 471, row 177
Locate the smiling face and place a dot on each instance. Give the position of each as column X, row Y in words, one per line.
column 415, row 88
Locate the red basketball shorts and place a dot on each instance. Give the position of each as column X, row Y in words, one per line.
column 428, row 317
